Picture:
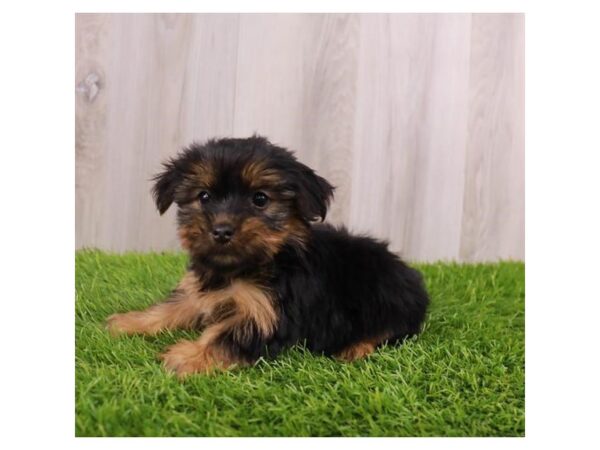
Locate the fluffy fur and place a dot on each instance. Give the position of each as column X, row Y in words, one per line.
column 261, row 276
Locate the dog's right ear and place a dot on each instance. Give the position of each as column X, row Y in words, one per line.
column 165, row 185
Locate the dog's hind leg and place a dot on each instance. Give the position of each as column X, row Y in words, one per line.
column 359, row 349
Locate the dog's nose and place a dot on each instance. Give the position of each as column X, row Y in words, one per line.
column 222, row 233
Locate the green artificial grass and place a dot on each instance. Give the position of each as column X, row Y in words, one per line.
column 464, row 376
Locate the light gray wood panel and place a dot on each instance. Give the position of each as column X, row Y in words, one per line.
column 91, row 53
column 208, row 98
column 493, row 224
column 416, row 118
column 144, row 93
column 329, row 104
column 410, row 130
column 268, row 88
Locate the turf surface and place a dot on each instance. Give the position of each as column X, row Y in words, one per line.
column 464, row 376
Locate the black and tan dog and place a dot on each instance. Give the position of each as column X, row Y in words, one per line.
column 261, row 278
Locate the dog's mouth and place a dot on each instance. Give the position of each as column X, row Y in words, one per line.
column 230, row 256
column 224, row 256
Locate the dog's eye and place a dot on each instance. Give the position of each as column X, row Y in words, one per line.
column 204, row 197
column 260, row 199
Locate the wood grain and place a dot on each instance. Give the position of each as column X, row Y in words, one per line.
column 416, row 118
column 411, row 132
column 91, row 53
column 493, row 224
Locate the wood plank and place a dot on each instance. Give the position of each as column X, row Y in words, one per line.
column 149, row 53
column 410, row 130
column 91, row 53
column 270, row 76
column 494, row 210
column 329, row 104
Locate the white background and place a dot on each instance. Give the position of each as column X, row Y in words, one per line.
column 562, row 186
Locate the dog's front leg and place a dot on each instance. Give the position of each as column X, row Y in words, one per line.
column 243, row 320
column 212, row 351
column 183, row 309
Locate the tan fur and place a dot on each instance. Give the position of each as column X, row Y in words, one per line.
column 251, row 303
column 254, row 304
column 200, row 356
column 360, row 349
column 181, row 310
column 187, row 304
column 256, row 232
column 187, row 236
column 232, row 308
column 257, row 175
column 240, row 307
column 190, row 234
column 204, row 175
column 296, row 231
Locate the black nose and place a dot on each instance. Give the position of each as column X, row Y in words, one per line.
column 222, row 233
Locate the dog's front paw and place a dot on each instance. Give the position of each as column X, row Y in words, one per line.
column 187, row 357
column 134, row 322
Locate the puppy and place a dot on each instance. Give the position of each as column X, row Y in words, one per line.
column 261, row 277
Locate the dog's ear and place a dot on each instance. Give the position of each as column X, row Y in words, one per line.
column 314, row 194
column 166, row 184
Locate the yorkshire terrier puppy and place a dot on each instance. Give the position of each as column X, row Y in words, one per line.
column 261, row 277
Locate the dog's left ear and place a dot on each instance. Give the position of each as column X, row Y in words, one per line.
column 314, row 194
column 165, row 186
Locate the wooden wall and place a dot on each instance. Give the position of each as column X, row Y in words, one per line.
column 418, row 119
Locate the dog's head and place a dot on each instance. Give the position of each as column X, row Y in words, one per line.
column 240, row 200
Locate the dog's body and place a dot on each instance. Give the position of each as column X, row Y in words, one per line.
column 261, row 277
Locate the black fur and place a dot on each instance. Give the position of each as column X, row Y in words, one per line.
column 345, row 289
column 341, row 290
column 331, row 289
